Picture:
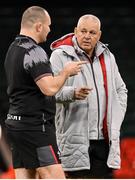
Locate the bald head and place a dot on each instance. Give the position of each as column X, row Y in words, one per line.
column 35, row 23
column 32, row 15
column 90, row 18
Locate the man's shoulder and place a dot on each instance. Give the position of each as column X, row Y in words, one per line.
column 64, row 50
column 57, row 51
column 27, row 43
column 35, row 55
column 32, row 49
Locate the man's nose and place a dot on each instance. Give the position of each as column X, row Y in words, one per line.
column 87, row 35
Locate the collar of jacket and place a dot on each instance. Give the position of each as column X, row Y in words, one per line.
column 69, row 45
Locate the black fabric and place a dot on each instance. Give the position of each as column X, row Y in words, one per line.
column 98, row 153
column 25, row 63
column 29, row 146
column 3, row 163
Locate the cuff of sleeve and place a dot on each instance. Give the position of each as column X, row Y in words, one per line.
column 67, row 94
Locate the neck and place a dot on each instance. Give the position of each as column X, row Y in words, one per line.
column 90, row 53
column 29, row 33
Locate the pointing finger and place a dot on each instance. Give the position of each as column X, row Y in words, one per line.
column 82, row 62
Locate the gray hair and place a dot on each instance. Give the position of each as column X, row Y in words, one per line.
column 89, row 17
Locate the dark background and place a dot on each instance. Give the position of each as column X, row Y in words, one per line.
column 118, row 30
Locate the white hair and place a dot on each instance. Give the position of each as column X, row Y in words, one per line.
column 89, row 17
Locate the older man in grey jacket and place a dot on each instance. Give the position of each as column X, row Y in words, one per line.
column 90, row 106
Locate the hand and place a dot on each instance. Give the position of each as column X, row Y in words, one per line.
column 82, row 93
column 0, row 131
column 73, row 68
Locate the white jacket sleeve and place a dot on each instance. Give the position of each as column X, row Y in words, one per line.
column 121, row 88
column 58, row 60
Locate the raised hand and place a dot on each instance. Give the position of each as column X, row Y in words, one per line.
column 82, row 93
column 73, row 68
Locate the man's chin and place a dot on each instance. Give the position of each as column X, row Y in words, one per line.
column 86, row 48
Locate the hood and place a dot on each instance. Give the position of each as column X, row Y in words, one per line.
column 64, row 40
column 68, row 41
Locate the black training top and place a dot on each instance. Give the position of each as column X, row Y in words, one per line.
column 25, row 63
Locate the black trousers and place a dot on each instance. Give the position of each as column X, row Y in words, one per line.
column 98, row 153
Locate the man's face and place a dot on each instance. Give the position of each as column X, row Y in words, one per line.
column 87, row 34
column 45, row 29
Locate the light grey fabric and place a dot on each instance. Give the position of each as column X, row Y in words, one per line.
column 73, row 116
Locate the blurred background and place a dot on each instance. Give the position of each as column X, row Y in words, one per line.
column 118, row 31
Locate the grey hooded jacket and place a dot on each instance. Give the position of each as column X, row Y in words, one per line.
column 72, row 128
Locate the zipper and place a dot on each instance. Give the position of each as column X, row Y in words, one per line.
column 91, row 63
column 97, row 97
column 44, row 120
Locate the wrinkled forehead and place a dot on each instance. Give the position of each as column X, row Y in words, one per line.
column 89, row 25
column 89, row 22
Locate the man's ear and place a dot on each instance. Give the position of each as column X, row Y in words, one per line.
column 75, row 30
column 38, row 27
column 100, row 33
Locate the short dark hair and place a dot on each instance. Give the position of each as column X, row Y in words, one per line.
column 32, row 15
